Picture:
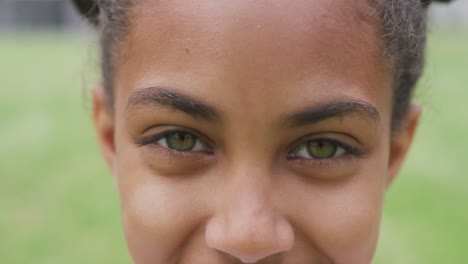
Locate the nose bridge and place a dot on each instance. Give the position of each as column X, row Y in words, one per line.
column 249, row 191
column 247, row 224
column 248, row 207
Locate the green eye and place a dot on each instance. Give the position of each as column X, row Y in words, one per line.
column 322, row 149
column 319, row 149
column 181, row 141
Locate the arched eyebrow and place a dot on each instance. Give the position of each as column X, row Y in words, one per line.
column 336, row 109
column 167, row 97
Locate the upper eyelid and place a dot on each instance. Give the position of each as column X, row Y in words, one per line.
column 154, row 137
column 315, row 137
column 349, row 149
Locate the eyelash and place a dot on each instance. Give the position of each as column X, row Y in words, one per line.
column 349, row 152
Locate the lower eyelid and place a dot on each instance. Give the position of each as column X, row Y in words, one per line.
column 325, row 163
column 174, row 154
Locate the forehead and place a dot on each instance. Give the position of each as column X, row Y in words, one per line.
column 256, row 47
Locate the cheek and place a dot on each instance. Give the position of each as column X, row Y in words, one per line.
column 159, row 213
column 349, row 228
column 343, row 219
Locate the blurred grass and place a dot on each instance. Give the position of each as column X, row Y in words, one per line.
column 426, row 214
column 57, row 199
column 58, row 203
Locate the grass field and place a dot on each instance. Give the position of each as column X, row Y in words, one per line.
column 58, row 203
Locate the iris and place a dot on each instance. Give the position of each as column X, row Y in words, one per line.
column 181, row 141
column 321, row 149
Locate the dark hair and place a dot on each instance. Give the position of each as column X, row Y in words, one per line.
column 403, row 29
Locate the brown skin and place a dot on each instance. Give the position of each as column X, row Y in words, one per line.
column 255, row 63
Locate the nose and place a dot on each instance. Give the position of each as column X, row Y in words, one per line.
column 248, row 228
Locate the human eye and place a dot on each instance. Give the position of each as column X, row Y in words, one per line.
column 322, row 150
column 177, row 140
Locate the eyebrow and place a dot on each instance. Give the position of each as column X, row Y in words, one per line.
column 335, row 109
column 164, row 96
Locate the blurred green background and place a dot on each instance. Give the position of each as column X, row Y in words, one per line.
column 57, row 199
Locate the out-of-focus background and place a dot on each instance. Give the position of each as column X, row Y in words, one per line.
column 57, row 199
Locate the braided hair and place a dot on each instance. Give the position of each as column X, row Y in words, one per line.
column 402, row 26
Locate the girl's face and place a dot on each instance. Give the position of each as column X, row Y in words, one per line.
column 253, row 131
